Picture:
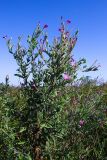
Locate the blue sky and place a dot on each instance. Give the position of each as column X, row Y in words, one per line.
column 19, row 17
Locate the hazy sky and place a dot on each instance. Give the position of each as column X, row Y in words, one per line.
column 19, row 17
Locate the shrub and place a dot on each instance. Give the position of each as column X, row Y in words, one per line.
column 48, row 116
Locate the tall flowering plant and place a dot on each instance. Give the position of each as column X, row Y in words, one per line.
column 46, row 70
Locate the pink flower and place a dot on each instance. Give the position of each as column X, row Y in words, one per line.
column 73, row 41
column 74, row 64
column 81, row 122
column 68, row 21
column 45, row 26
column 66, row 76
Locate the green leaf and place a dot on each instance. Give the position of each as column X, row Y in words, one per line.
column 18, row 75
column 22, row 129
column 21, row 143
column 44, row 125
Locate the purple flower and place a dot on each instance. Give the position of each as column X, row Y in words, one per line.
column 81, row 122
column 68, row 21
column 67, row 33
column 45, row 26
column 66, row 76
column 73, row 41
column 74, row 64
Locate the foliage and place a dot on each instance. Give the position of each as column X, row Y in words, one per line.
column 49, row 117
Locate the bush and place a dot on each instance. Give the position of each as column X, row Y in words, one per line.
column 49, row 116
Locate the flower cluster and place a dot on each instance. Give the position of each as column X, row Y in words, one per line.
column 81, row 123
column 66, row 76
